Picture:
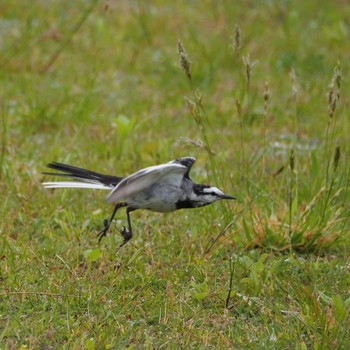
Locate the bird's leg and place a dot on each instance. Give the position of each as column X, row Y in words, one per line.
column 107, row 223
column 127, row 234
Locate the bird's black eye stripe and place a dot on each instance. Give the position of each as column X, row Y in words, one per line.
column 213, row 193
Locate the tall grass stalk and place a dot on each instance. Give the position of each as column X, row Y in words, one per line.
column 248, row 72
column 291, row 194
column 266, row 107
column 293, row 181
column 232, row 271
column 332, row 151
column 3, row 139
column 142, row 8
column 345, row 205
column 69, row 37
column 236, row 45
column 241, row 138
column 197, row 110
column 196, row 107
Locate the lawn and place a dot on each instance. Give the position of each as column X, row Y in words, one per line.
column 258, row 93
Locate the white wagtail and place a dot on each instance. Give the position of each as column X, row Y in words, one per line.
column 160, row 188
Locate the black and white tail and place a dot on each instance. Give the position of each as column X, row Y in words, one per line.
column 86, row 178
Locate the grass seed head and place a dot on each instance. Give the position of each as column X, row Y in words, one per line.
column 248, row 67
column 334, row 91
column 332, row 100
column 184, row 61
column 192, row 107
column 237, row 38
column 266, row 91
column 338, row 75
column 293, row 78
column 336, row 158
column 238, row 107
column 292, row 160
column 266, row 96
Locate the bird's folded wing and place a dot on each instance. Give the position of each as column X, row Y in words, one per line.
column 166, row 173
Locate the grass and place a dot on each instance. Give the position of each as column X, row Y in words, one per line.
column 263, row 106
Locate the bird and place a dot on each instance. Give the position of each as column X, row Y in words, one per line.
column 160, row 188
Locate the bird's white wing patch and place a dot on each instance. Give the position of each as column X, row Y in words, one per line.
column 141, row 180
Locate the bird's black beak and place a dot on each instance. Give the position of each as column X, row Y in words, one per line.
column 225, row 196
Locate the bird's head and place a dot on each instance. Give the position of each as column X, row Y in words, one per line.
column 205, row 194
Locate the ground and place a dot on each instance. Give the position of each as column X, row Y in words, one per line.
column 258, row 93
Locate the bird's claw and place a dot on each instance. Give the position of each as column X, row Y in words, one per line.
column 103, row 232
column 126, row 235
column 124, row 232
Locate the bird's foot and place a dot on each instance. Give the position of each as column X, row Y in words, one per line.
column 126, row 235
column 103, row 232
